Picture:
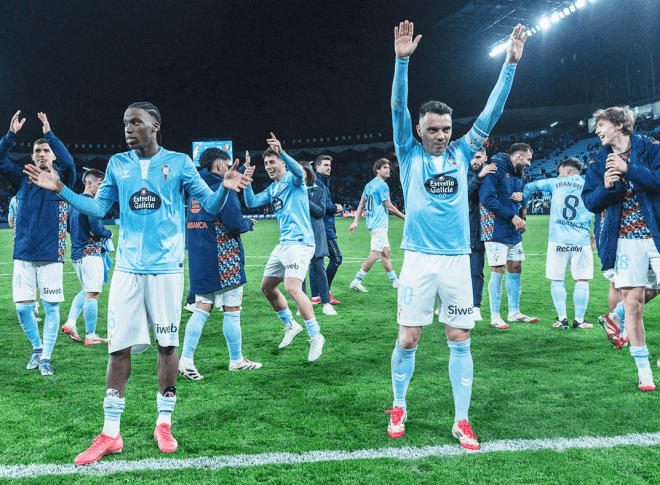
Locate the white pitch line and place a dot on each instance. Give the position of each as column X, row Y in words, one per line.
column 406, row 453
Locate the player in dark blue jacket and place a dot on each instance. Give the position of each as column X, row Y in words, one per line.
column 87, row 239
column 39, row 240
column 500, row 195
column 216, row 261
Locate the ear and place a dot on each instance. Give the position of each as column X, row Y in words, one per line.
column 419, row 131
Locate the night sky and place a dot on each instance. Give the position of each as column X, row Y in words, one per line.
column 238, row 70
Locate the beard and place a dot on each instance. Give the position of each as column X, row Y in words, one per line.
column 520, row 171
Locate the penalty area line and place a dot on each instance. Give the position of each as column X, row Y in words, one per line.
column 406, row 453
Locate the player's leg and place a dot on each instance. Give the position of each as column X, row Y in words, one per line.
column 515, row 257
column 613, row 322
column 92, row 281
column 582, row 270
column 402, row 368
column 334, row 261
column 128, row 328
column 194, row 327
column 356, row 284
column 496, row 254
column 231, row 327
column 457, row 316
column 556, row 262
column 477, row 274
column 317, row 268
column 77, row 304
column 24, row 290
column 387, row 265
column 49, row 279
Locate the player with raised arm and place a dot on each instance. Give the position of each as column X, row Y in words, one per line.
column 216, row 267
column 436, row 236
column 288, row 262
column 622, row 184
column 87, row 239
column 377, row 204
column 39, row 239
column 568, row 240
column 147, row 285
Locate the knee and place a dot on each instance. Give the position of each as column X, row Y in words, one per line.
column 166, row 351
column 293, row 288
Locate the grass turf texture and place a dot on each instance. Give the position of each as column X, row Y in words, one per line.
column 531, row 381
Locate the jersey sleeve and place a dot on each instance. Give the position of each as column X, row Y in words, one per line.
column 298, row 175
column 384, row 192
column 543, row 185
column 252, row 200
column 401, row 121
column 211, row 201
column 101, row 203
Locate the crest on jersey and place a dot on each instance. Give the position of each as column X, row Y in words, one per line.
column 194, row 206
column 277, row 204
column 441, row 185
column 144, row 201
column 166, row 171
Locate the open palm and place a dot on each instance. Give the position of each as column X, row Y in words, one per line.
column 404, row 45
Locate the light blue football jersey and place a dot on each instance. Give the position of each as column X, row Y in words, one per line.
column 570, row 221
column 150, row 193
column 376, row 193
column 288, row 201
column 435, row 187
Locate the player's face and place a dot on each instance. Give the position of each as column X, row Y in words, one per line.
column 477, row 163
column 325, row 167
column 43, row 157
column 140, row 128
column 607, row 132
column 275, row 167
column 384, row 171
column 522, row 159
column 435, row 132
column 223, row 166
column 93, row 185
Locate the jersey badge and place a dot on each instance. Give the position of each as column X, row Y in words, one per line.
column 166, row 171
column 277, row 204
column 194, row 206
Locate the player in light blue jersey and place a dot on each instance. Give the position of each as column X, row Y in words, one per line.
column 568, row 240
column 436, row 236
column 287, row 197
column 376, row 202
column 147, row 285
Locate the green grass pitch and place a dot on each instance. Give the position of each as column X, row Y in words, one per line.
column 530, row 382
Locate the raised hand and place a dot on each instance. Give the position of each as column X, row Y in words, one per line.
column 234, row 180
column 404, row 45
column 274, row 143
column 16, row 125
column 488, row 168
column 44, row 120
column 514, row 47
column 49, row 180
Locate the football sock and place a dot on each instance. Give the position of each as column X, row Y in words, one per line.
column 113, row 405
column 392, row 276
column 513, row 291
column 286, row 316
column 165, row 407
column 29, row 323
column 580, row 300
column 194, row 329
column 460, row 373
column 313, row 328
column 360, row 275
column 77, row 306
column 403, row 366
column 641, row 355
column 231, row 327
column 620, row 311
column 495, row 292
column 558, row 292
column 51, row 327
column 90, row 314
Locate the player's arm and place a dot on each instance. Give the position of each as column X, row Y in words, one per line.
column 358, row 214
column 233, row 219
column 595, row 195
column 488, row 198
column 9, row 169
column 66, row 165
column 317, row 207
column 98, row 229
column 404, row 46
column 544, row 185
column 482, row 127
column 393, row 210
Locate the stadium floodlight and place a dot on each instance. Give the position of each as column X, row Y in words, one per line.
column 572, row 8
column 544, row 22
column 554, row 18
column 533, row 30
column 553, row 124
column 567, row 12
column 561, row 15
column 580, row 3
column 538, row 28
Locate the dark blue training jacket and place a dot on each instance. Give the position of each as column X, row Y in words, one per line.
column 87, row 235
column 41, row 215
column 330, row 208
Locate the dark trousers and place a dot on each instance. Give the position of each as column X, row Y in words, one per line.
column 335, row 260
column 318, row 280
column 477, row 270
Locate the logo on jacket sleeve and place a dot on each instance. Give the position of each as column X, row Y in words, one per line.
column 441, row 185
column 144, row 201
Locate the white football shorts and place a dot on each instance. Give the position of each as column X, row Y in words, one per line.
column 218, row 299
column 499, row 253
column 379, row 239
column 289, row 261
column 45, row 276
column 633, row 258
column 559, row 256
column 90, row 272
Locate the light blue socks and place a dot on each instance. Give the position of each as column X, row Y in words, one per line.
column 231, row 327
column 403, row 366
column 90, row 314
column 77, row 306
column 495, row 292
column 580, row 300
column 29, row 323
column 513, row 291
column 51, row 327
column 194, row 329
column 558, row 292
column 286, row 316
column 461, row 370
